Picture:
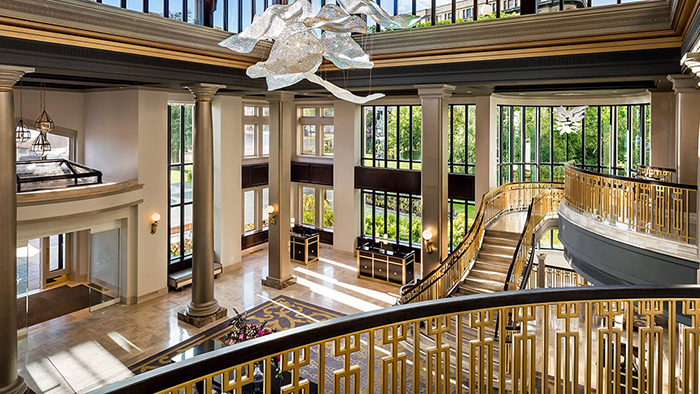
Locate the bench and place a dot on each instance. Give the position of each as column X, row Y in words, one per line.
column 178, row 280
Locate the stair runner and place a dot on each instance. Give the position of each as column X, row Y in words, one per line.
column 488, row 275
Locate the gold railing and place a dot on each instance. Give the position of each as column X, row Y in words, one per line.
column 555, row 277
column 544, row 205
column 507, row 198
column 657, row 208
column 601, row 340
column 656, row 173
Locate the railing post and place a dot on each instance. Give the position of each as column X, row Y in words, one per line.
column 541, row 271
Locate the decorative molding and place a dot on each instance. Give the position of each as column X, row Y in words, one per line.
column 683, row 83
column 76, row 193
column 690, row 60
column 203, row 91
column 9, row 75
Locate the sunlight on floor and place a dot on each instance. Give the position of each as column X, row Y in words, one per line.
column 80, row 373
column 124, row 343
column 335, row 295
column 362, row 290
column 337, row 264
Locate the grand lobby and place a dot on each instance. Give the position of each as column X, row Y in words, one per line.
column 349, row 196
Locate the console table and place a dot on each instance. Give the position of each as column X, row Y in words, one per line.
column 303, row 248
column 387, row 266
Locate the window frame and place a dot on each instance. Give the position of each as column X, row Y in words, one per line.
column 258, row 208
column 183, row 257
column 319, row 121
column 318, row 208
column 258, row 121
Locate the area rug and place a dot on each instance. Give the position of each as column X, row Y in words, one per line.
column 52, row 303
column 280, row 313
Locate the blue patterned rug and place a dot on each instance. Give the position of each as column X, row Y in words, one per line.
column 280, row 313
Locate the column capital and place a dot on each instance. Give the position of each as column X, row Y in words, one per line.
column 435, row 90
column 9, row 75
column 683, row 83
column 280, row 95
column 203, row 91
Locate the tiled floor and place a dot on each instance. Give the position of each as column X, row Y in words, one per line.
column 83, row 350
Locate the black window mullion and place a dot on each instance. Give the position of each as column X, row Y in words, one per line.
column 374, row 136
column 240, row 16
column 374, row 214
column 123, row 4
column 225, row 15
column 184, row 10
column 551, row 144
column 537, row 142
column 166, row 8
column 642, row 134
column 398, row 144
column 629, row 140
column 410, row 124
column 600, row 137
column 466, row 139
column 182, row 182
column 145, row 6
column 386, row 137
column 451, row 162
column 510, row 144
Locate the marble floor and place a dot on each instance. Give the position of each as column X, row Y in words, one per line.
column 83, row 350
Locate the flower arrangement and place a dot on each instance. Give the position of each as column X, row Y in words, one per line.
column 240, row 330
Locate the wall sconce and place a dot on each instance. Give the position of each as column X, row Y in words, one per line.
column 292, row 222
column 155, row 218
column 427, row 243
column 271, row 214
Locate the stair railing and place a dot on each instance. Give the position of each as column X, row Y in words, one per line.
column 441, row 281
column 543, row 205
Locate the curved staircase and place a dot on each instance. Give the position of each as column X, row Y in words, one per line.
column 490, row 270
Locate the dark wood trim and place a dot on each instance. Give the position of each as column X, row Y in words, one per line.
column 325, row 236
column 314, row 173
column 254, row 239
column 179, row 265
column 460, row 186
column 253, row 175
column 391, row 246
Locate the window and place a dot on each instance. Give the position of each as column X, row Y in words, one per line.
column 315, row 207
column 462, row 139
column 255, row 216
column 460, row 215
column 180, row 125
column 394, row 214
column 550, row 240
column 316, row 131
column 612, row 140
column 308, row 206
column 469, row 13
column 392, row 136
column 256, row 131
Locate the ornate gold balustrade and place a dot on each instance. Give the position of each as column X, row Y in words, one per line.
column 507, row 198
column 659, row 208
column 543, row 206
column 555, row 277
column 625, row 339
column 656, row 173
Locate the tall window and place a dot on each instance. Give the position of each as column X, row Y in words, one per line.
column 255, row 216
column 256, row 130
column 391, row 136
column 612, row 140
column 316, row 207
column 462, row 139
column 394, row 214
column 460, row 215
column 316, row 130
column 180, row 121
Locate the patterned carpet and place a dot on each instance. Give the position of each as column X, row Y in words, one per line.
column 280, row 313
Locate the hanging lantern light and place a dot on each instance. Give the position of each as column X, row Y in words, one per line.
column 22, row 133
column 41, row 145
column 43, row 123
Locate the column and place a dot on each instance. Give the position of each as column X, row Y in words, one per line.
column 687, row 124
column 434, row 154
column 10, row 382
column 663, row 126
column 282, row 118
column 347, row 204
column 203, row 308
column 228, row 155
column 541, row 271
column 486, row 131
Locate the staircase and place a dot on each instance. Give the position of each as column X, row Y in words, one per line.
column 488, row 275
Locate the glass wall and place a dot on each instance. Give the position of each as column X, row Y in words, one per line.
column 612, row 139
column 391, row 136
column 396, row 215
column 462, row 139
column 460, row 214
column 180, row 126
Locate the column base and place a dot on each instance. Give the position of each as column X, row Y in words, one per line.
column 201, row 321
column 279, row 284
column 17, row 387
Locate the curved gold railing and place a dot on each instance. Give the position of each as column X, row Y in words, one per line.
column 659, row 208
column 656, row 173
column 543, row 205
column 625, row 339
column 439, row 282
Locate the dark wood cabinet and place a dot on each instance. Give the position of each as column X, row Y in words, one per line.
column 385, row 266
column 303, row 248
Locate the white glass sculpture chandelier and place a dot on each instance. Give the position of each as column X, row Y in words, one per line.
column 298, row 49
column 569, row 120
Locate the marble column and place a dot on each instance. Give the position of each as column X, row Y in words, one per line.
column 687, row 126
column 434, row 155
column 541, row 271
column 282, row 118
column 347, row 205
column 663, row 126
column 486, row 132
column 10, row 382
column 203, row 308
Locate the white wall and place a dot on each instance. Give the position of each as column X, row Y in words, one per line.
column 346, row 204
column 153, row 156
column 111, row 133
column 64, row 107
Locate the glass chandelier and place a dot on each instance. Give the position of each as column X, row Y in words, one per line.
column 43, row 123
column 41, row 145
